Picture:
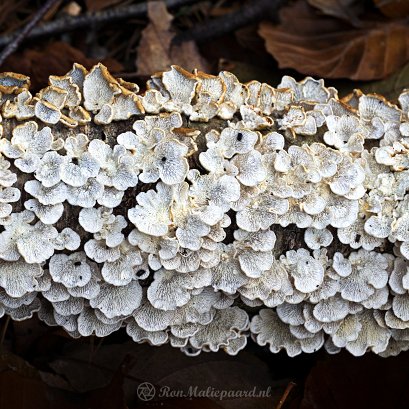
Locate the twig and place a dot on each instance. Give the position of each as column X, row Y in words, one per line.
column 252, row 11
column 24, row 32
column 70, row 23
column 94, row 348
column 287, row 391
column 97, row 348
column 3, row 332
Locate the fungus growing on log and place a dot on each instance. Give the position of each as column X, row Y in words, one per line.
column 204, row 211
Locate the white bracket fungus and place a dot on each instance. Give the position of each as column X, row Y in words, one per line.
column 204, row 211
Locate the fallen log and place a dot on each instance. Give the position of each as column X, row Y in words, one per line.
column 204, row 211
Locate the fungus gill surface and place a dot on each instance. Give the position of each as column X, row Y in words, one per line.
column 205, row 211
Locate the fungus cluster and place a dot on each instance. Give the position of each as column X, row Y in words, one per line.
column 204, row 211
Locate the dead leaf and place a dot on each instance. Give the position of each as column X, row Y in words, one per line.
column 97, row 5
column 345, row 9
column 155, row 50
column 165, row 366
column 110, row 396
column 10, row 361
column 390, row 87
column 393, row 8
column 247, row 71
column 318, row 45
column 56, row 381
column 72, row 9
column 54, row 59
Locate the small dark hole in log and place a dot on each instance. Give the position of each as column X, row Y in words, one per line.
column 140, row 273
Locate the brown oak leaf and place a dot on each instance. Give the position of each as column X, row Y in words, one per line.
column 318, row 45
column 345, row 9
column 156, row 51
column 393, row 8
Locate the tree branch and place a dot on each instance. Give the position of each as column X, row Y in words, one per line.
column 249, row 13
column 70, row 23
column 25, row 31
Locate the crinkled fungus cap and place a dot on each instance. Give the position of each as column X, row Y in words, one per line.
column 205, row 211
